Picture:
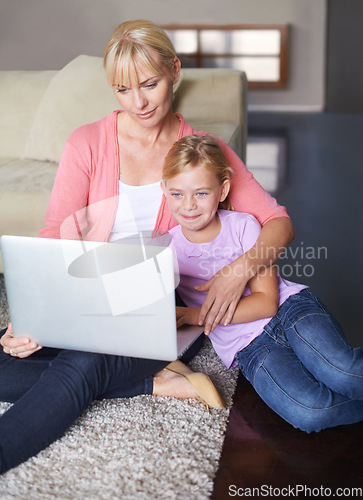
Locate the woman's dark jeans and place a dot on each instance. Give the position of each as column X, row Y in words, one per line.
column 51, row 388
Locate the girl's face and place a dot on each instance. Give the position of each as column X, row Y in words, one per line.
column 149, row 99
column 193, row 197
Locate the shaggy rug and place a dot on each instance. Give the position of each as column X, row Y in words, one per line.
column 144, row 447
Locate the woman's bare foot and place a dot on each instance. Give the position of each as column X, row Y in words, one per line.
column 167, row 383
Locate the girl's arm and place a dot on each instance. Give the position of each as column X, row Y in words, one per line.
column 263, row 302
column 225, row 288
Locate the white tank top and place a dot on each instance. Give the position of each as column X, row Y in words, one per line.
column 138, row 207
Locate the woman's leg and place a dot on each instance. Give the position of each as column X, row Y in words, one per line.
column 115, row 391
column 17, row 375
column 53, row 387
column 319, row 343
column 64, row 390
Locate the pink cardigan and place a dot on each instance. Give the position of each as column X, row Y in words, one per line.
column 84, row 199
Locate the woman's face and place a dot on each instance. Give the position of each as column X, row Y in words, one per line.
column 149, row 99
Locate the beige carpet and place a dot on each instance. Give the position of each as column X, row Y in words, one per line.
column 140, row 448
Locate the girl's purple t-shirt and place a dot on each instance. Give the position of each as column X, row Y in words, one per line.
column 198, row 262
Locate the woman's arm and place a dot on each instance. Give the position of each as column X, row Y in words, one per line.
column 263, row 302
column 227, row 285
column 69, row 194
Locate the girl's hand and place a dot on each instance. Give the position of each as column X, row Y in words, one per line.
column 20, row 347
column 187, row 315
column 225, row 290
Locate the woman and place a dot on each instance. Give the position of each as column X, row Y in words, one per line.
column 105, row 166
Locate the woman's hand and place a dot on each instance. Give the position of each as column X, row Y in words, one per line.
column 226, row 287
column 187, row 315
column 20, row 347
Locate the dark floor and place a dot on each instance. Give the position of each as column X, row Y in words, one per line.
column 321, row 186
column 262, row 451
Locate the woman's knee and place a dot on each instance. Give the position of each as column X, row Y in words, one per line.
column 87, row 366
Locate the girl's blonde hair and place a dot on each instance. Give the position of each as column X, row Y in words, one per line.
column 194, row 151
column 133, row 43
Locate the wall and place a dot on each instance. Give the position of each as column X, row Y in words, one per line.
column 344, row 93
column 46, row 34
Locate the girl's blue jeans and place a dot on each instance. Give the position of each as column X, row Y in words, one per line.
column 51, row 389
column 303, row 368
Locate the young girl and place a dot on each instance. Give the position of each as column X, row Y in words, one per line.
column 283, row 338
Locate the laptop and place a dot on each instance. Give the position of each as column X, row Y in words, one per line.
column 113, row 298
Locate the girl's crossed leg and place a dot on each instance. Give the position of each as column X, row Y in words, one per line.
column 302, row 367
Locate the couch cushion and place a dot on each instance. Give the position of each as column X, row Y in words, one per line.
column 24, row 195
column 20, row 95
column 26, row 175
column 216, row 94
column 230, row 132
column 77, row 94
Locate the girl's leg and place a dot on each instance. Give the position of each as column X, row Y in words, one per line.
column 285, row 385
column 318, row 341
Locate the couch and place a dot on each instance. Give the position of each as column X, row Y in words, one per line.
column 39, row 109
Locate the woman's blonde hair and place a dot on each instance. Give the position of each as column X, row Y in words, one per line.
column 137, row 42
column 194, row 151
